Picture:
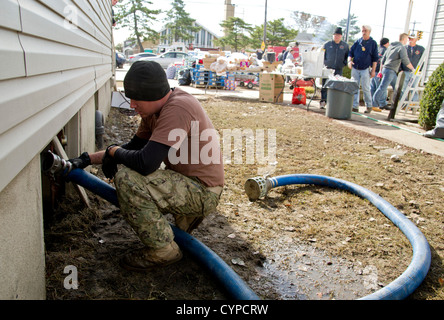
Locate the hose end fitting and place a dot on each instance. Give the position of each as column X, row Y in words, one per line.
column 257, row 187
column 52, row 164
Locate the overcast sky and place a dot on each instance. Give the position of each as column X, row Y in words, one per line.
column 210, row 13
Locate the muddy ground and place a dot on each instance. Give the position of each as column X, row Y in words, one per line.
column 301, row 242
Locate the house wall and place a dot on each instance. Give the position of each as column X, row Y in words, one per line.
column 436, row 42
column 56, row 62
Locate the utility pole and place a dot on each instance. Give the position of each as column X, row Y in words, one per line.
column 385, row 15
column 265, row 28
column 414, row 26
column 409, row 15
column 229, row 11
column 348, row 22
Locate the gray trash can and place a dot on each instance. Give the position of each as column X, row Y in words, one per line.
column 340, row 96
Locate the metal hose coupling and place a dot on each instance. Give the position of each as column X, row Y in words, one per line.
column 257, row 187
column 52, row 164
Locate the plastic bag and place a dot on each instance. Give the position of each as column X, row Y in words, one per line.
column 299, row 96
column 171, row 72
column 220, row 66
column 349, row 86
column 313, row 63
column 185, row 78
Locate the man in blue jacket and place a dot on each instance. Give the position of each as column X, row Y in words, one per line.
column 363, row 55
column 335, row 58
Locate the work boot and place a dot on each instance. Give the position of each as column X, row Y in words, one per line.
column 144, row 259
column 186, row 223
column 368, row 110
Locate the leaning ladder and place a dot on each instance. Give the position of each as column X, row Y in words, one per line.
column 413, row 86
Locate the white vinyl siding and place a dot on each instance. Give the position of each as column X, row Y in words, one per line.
column 54, row 56
column 436, row 42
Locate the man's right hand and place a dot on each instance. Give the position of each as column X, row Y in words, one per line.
column 81, row 162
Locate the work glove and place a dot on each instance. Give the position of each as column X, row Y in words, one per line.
column 81, row 162
column 109, row 164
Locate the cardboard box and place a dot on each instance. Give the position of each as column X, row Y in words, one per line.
column 220, row 53
column 270, row 67
column 271, row 87
column 208, row 61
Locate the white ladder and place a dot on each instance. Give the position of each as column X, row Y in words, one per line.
column 414, row 86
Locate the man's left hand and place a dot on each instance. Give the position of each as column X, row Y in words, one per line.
column 109, row 165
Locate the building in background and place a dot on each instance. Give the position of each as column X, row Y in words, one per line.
column 203, row 39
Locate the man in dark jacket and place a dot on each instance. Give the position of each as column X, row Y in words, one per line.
column 335, row 58
column 362, row 60
column 414, row 52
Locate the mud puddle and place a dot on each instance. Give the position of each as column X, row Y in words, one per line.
column 302, row 272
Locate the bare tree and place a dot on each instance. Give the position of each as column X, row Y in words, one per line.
column 306, row 21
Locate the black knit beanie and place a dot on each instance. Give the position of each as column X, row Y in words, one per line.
column 338, row 30
column 383, row 41
column 146, row 81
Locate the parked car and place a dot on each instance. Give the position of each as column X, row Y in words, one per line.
column 133, row 58
column 197, row 56
column 120, row 60
column 167, row 58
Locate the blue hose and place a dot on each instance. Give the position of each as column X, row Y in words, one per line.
column 416, row 272
column 399, row 289
column 93, row 184
column 231, row 282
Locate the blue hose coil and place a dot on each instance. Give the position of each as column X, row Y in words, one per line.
column 230, row 280
column 419, row 266
column 399, row 289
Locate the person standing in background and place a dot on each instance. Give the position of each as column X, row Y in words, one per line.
column 390, row 63
column 363, row 55
column 335, row 58
column 383, row 45
column 414, row 52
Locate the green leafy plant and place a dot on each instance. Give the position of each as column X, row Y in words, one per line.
column 432, row 99
column 138, row 18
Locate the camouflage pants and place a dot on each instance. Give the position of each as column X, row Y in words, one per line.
column 144, row 200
